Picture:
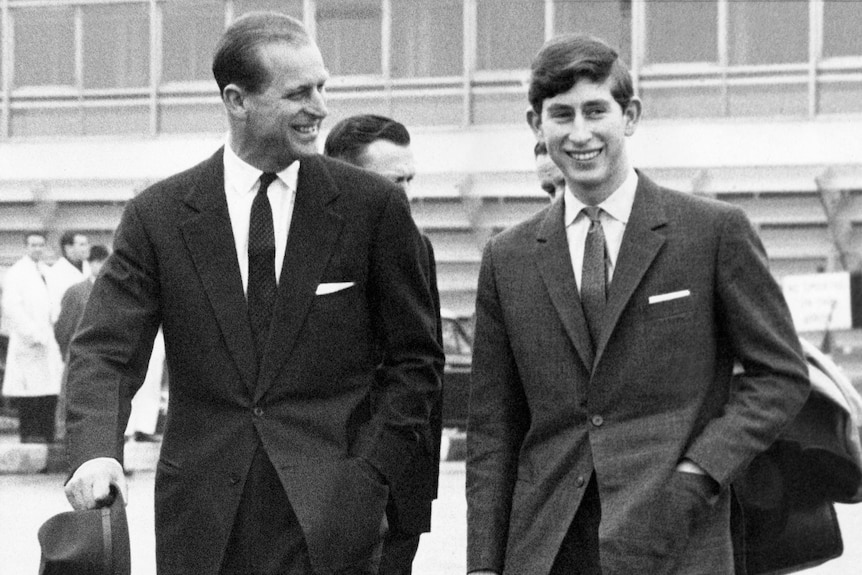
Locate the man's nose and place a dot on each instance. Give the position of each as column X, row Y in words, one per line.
column 317, row 104
column 580, row 132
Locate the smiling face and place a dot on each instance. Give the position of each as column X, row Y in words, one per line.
column 585, row 129
column 391, row 161
column 280, row 123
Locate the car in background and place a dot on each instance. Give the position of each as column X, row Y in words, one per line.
column 458, row 347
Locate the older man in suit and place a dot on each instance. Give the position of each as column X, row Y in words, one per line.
column 604, row 426
column 282, row 280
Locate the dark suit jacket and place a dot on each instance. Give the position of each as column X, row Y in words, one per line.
column 71, row 309
column 310, row 404
column 411, row 498
column 546, row 411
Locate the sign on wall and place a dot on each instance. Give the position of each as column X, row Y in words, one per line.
column 824, row 300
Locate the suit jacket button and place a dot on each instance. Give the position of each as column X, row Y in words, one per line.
column 598, row 420
column 580, row 481
column 258, row 411
column 233, row 478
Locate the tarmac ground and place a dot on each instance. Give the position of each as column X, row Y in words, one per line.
column 27, row 500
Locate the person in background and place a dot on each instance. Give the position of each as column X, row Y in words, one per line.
column 70, row 268
column 33, row 358
column 551, row 179
column 75, row 298
column 145, row 405
column 605, row 426
column 299, row 333
column 382, row 145
column 144, row 417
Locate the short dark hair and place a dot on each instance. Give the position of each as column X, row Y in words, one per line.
column 98, row 253
column 68, row 239
column 348, row 138
column 237, row 59
column 565, row 59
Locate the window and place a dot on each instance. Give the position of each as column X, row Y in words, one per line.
column 767, row 32
column 841, row 35
column 289, row 7
column 116, row 46
column 191, row 31
column 608, row 20
column 427, row 38
column 510, row 32
column 44, row 46
column 681, row 32
column 349, row 36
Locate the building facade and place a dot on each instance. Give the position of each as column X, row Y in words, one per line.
column 754, row 102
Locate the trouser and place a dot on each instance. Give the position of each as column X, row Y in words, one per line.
column 399, row 549
column 579, row 551
column 36, row 418
column 266, row 538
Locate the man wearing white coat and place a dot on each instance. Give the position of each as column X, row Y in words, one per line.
column 33, row 360
column 72, row 267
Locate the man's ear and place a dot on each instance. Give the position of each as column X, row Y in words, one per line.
column 535, row 122
column 633, row 115
column 234, row 99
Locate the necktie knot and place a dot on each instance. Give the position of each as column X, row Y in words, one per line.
column 592, row 212
column 266, row 179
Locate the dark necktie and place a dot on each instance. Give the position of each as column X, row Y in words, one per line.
column 594, row 276
column 261, row 266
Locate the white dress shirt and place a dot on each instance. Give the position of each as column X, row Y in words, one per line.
column 614, row 216
column 241, row 182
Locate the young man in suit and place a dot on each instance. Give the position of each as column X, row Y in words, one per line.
column 382, row 145
column 299, row 333
column 604, row 428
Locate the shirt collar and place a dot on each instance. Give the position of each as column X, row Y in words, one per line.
column 244, row 176
column 618, row 205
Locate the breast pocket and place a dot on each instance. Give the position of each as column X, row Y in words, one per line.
column 677, row 308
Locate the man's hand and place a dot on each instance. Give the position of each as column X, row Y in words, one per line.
column 90, row 485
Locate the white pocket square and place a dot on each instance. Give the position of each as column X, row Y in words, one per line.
column 669, row 296
column 323, row 289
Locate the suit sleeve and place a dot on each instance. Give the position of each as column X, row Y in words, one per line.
column 404, row 320
column 498, row 418
column 755, row 320
column 108, row 355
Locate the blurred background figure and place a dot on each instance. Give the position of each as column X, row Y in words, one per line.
column 71, row 308
column 144, row 418
column 33, row 362
column 550, row 177
column 70, row 268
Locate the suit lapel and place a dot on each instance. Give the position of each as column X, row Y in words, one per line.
column 209, row 239
column 641, row 244
column 314, row 231
column 555, row 267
